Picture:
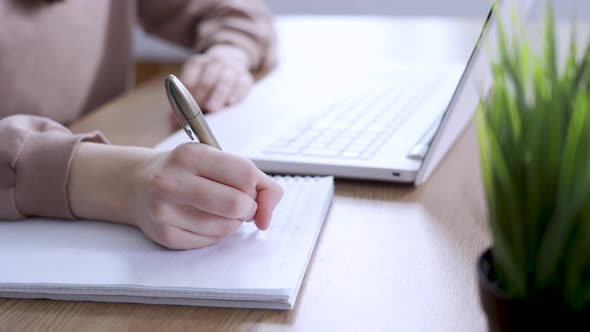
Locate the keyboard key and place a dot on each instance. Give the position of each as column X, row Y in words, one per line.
column 366, row 155
column 366, row 137
column 308, row 135
column 350, row 154
column 357, row 128
column 356, row 147
column 282, row 150
column 326, row 139
column 320, row 152
column 324, row 123
column 376, row 128
column 316, row 145
column 347, row 135
column 340, row 125
column 292, row 134
column 373, row 148
column 337, row 146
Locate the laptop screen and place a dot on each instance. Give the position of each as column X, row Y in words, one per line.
column 474, row 84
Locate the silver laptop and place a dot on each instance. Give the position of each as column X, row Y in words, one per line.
column 395, row 124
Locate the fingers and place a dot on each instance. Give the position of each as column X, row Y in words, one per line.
column 222, row 91
column 218, row 166
column 242, row 86
column 212, row 197
column 231, row 203
column 198, row 222
column 216, row 82
column 192, row 71
column 220, row 184
column 238, row 173
column 269, row 196
column 179, row 239
column 208, row 79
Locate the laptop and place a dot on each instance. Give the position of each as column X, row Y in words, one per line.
column 386, row 122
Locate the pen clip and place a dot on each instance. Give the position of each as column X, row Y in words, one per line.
column 183, row 123
column 180, row 117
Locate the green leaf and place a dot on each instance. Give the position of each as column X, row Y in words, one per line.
column 558, row 229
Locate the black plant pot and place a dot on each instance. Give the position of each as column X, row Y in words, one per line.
column 504, row 314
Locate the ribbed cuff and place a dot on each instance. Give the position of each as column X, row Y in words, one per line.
column 43, row 170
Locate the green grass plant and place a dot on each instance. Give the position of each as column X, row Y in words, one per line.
column 534, row 136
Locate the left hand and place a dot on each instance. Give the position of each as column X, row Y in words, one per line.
column 218, row 78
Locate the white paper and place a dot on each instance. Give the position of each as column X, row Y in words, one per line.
column 78, row 259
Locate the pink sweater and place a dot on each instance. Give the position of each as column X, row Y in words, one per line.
column 61, row 59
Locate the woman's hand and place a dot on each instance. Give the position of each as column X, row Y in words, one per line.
column 218, row 78
column 196, row 195
column 191, row 197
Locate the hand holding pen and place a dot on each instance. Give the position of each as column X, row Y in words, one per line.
column 197, row 194
column 191, row 197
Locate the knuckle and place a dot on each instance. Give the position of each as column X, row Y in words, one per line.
column 235, row 207
column 198, row 60
column 246, row 165
column 208, row 79
column 165, row 236
column 246, row 80
column 183, row 148
column 277, row 191
column 155, row 211
column 159, row 183
column 228, row 227
column 229, row 76
column 280, row 191
column 180, row 153
column 175, row 156
column 206, row 152
column 206, row 83
column 249, row 173
column 222, row 88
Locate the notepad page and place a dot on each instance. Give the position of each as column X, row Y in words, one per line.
column 84, row 258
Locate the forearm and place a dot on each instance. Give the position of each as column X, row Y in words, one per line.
column 36, row 154
column 102, row 182
column 203, row 24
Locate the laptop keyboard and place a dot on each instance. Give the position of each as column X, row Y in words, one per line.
column 357, row 126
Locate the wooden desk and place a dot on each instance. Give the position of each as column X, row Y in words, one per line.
column 389, row 258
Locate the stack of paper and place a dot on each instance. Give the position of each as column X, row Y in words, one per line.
column 97, row 261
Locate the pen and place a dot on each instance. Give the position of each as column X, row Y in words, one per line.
column 188, row 113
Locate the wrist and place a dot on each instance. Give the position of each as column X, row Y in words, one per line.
column 103, row 181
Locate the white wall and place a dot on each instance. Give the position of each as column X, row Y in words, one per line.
column 381, row 7
column 149, row 49
column 463, row 8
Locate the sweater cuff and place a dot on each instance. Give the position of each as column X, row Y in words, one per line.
column 43, row 170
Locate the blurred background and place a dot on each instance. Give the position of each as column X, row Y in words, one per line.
column 462, row 8
column 150, row 50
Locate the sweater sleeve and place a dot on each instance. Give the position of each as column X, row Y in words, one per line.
column 35, row 158
column 201, row 24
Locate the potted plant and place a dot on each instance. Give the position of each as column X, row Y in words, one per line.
column 534, row 135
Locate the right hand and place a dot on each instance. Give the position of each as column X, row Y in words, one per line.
column 196, row 195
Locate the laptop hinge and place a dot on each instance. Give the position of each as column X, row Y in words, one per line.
column 418, row 151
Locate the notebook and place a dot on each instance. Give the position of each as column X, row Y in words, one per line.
column 97, row 261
